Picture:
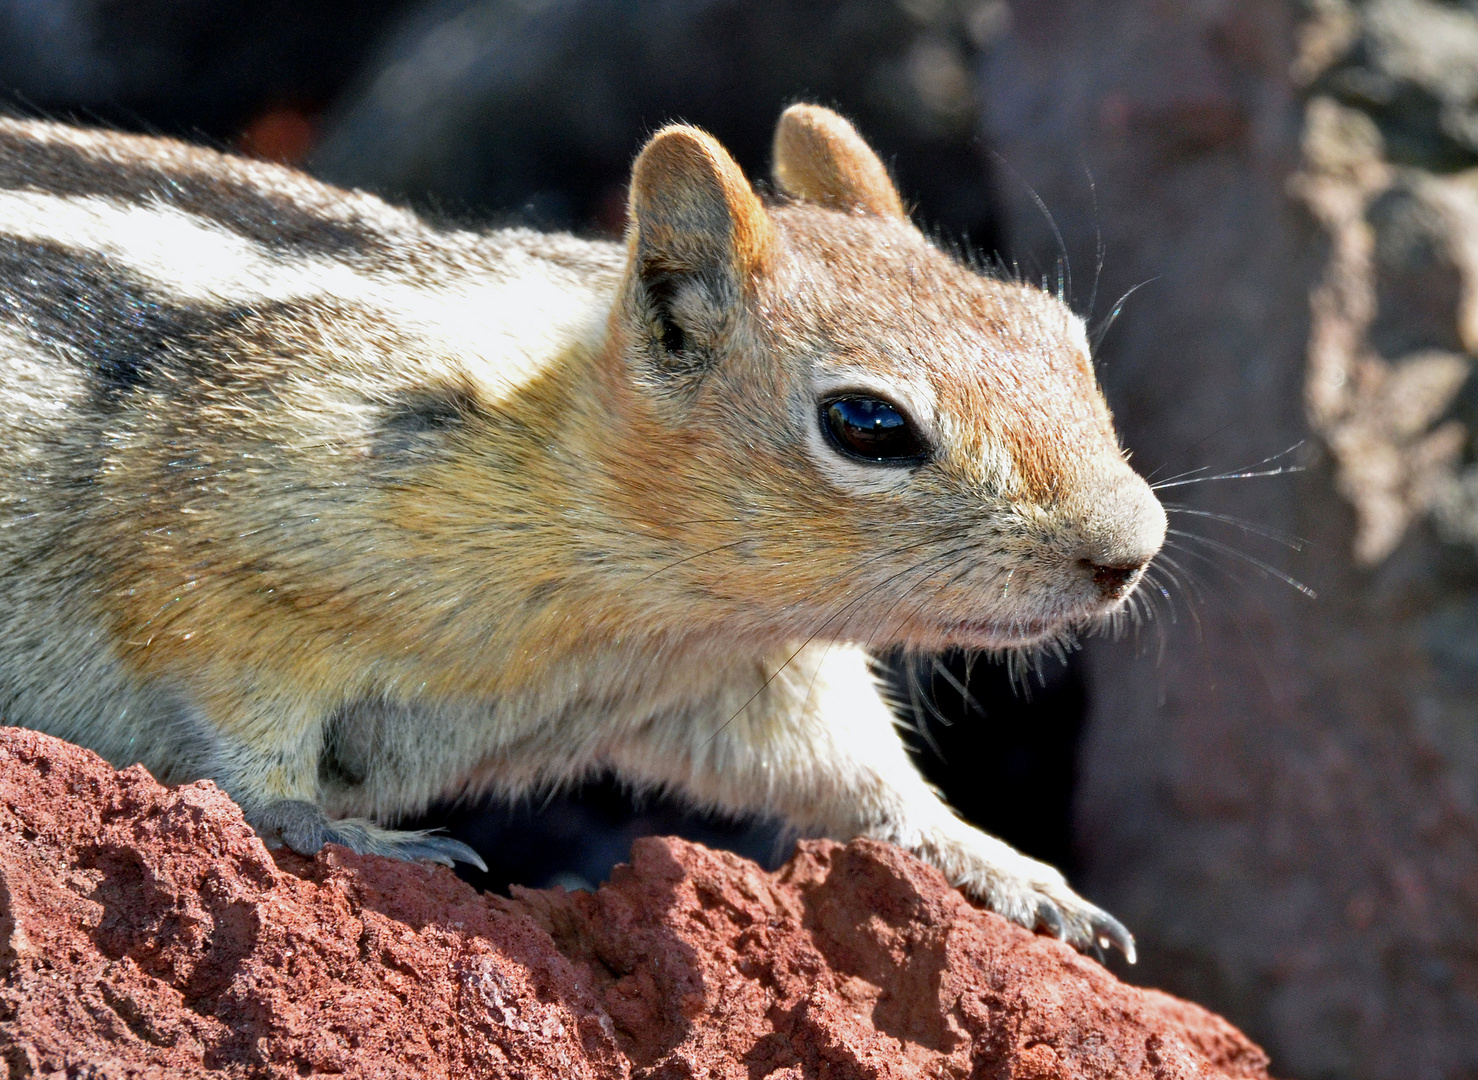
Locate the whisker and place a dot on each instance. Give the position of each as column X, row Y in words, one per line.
column 1219, row 594
column 852, row 569
column 1065, row 263
column 1158, row 586
column 1186, row 582
column 1178, row 476
column 688, row 559
column 1113, row 316
column 939, row 668
column 1194, row 446
column 1251, row 471
column 1281, row 471
column 1294, row 543
column 908, row 715
column 1193, row 589
column 1230, row 611
column 1162, row 639
column 1192, row 449
column 1099, row 248
column 965, row 551
column 1140, row 603
column 923, row 706
column 1266, row 568
column 967, row 698
column 971, row 658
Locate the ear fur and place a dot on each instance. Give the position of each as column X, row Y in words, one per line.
column 694, row 211
column 820, row 158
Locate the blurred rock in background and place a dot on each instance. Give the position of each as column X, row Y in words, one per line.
column 1278, row 793
column 202, row 69
column 537, row 107
column 1284, row 806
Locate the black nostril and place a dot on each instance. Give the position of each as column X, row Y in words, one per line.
column 1113, row 581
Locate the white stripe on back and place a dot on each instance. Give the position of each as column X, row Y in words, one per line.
column 500, row 319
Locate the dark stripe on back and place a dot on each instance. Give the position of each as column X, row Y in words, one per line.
column 272, row 221
column 125, row 336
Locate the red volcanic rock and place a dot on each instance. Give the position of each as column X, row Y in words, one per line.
column 146, row 932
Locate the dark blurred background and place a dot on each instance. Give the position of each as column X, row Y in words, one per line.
column 1279, row 794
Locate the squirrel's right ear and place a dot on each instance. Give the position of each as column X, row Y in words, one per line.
column 820, row 158
column 693, row 210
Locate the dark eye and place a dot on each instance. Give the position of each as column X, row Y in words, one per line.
column 872, row 429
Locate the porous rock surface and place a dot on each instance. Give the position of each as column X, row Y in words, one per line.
column 146, row 932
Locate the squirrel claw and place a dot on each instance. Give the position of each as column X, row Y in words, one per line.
column 1050, row 919
column 303, row 827
column 1035, row 896
column 429, row 847
column 1108, row 931
column 1084, row 927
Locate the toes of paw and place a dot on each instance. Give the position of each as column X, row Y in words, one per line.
column 300, row 826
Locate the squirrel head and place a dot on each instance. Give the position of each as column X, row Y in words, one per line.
column 828, row 426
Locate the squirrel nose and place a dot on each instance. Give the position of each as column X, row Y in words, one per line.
column 1121, row 532
column 1113, row 582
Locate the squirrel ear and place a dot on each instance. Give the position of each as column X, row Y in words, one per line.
column 820, row 158
column 694, row 211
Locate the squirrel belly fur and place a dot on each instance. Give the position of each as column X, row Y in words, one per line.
column 350, row 513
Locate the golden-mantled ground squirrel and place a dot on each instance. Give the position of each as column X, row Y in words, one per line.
column 351, row 513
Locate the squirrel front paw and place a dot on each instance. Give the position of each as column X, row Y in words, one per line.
column 303, row 827
column 1029, row 893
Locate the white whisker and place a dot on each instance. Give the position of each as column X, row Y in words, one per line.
column 1293, row 543
column 1266, row 568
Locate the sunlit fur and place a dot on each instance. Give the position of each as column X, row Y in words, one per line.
column 366, row 513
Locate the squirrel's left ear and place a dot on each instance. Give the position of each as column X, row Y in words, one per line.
column 694, row 212
column 820, row 158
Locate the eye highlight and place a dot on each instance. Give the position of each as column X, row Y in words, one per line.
column 872, row 430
